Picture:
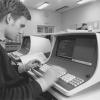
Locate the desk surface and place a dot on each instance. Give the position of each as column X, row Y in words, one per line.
column 91, row 93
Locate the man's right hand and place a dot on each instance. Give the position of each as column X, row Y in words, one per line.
column 50, row 77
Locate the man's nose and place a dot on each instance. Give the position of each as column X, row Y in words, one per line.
column 21, row 31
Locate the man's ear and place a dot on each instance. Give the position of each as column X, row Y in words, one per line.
column 9, row 19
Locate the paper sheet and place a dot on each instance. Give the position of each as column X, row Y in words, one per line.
column 38, row 56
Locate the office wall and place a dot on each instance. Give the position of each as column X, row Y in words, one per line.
column 43, row 18
column 84, row 13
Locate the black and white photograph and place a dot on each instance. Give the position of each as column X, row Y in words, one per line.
column 49, row 49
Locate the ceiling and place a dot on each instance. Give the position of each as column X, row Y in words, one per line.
column 55, row 5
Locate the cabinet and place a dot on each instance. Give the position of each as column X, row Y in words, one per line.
column 45, row 29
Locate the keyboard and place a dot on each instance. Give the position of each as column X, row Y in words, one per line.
column 45, row 67
column 71, row 79
column 66, row 80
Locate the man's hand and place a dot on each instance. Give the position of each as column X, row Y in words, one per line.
column 50, row 77
column 31, row 64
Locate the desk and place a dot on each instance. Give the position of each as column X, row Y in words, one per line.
column 91, row 93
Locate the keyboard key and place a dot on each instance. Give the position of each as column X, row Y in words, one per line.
column 71, row 79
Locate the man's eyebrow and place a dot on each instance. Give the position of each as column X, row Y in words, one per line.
column 22, row 25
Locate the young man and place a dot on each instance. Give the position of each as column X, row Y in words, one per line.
column 15, row 84
column 83, row 27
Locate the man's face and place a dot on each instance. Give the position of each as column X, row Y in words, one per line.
column 84, row 27
column 15, row 27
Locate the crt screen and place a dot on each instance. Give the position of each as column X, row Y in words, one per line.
column 80, row 47
column 65, row 46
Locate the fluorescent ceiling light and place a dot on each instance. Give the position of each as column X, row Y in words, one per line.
column 22, row 0
column 84, row 1
column 44, row 5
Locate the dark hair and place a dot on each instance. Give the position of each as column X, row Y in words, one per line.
column 84, row 24
column 16, row 8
